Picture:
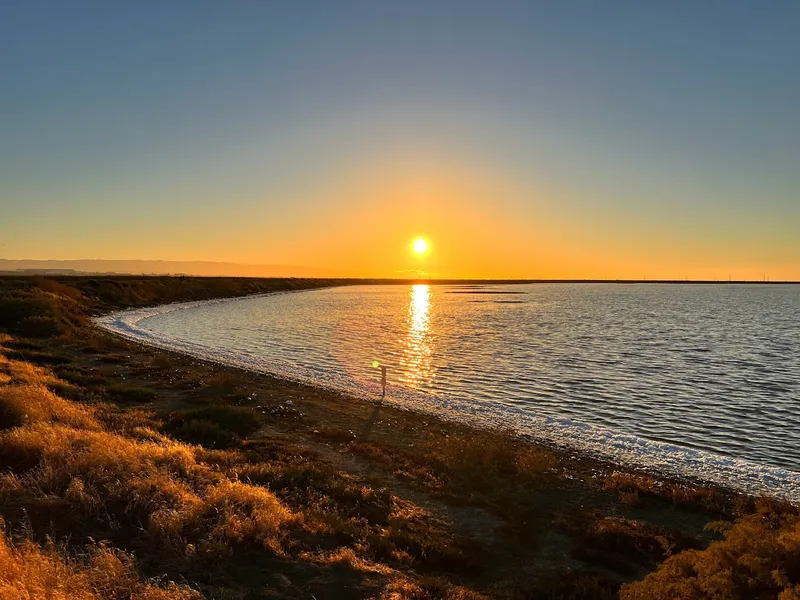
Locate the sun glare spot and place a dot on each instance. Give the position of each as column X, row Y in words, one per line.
column 420, row 246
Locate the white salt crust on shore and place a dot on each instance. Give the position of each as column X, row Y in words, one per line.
column 619, row 448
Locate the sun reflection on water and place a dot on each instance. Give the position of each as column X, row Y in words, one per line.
column 416, row 354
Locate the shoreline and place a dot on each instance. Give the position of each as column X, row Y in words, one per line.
column 243, row 484
column 625, row 451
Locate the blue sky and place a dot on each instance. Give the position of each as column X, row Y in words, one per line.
column 231, row 130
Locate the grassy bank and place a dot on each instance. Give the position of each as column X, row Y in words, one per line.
column 132, row 472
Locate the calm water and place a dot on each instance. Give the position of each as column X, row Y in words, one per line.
column 714, row 368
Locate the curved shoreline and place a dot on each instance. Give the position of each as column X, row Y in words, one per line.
column 617, row 448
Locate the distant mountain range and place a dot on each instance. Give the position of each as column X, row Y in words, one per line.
column 161, row 267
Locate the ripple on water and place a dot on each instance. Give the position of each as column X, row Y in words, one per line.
column 699, row 380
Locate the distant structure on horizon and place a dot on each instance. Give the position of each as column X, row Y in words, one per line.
column 161, row 267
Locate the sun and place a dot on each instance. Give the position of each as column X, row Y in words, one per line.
column 420, row 246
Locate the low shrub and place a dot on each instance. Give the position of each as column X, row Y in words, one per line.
column 204, row 433
column 625, row 545
column 759, row 557
column 308, row 484
column 41, row 326
column 633, row 487
column 40, row 314
column 481, row 461
column 233, row 419
column 128, row 394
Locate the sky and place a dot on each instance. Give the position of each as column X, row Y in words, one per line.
column 521, row 139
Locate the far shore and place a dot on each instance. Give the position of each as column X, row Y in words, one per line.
column 70, row 275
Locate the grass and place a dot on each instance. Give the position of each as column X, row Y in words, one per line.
column 493, row 468
column 612, row 541
column 759, row 557
column 189, row 506
column 29, row 571
column 205, row 433
column 213, row 426
column 633, row 487
column 61, row 451
column 428, row 589
column 130, row 394
column 240, row 421
column 222, row 489
column 37, row 313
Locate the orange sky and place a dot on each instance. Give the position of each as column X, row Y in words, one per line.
column 522, row 139
column 479, row 222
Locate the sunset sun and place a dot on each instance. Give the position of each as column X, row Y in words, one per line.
column 420, row 246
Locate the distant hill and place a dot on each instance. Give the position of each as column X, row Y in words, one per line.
column 161, row 267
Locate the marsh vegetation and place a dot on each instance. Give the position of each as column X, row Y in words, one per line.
column 135, row 473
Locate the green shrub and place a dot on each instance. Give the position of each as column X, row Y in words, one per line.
column 205, row 433
column 36, row 313
column 38, row 357
column 41, row 327
column 241, row 421
column 131, row 394
column 59, row 289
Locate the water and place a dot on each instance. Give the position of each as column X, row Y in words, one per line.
column 692, row 379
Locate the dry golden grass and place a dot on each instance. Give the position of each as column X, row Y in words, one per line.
column 632, row 488
column 428, row 589
column 347, row 558
column 28, row 571
column 38, row 313
column 27, row 405
column 758, row 558
column 379, row 526
column 187, row 500
column 492, row 454
column 58, row 289
column 99, row 473
column 34, row 403
column 630, row 498
column 26, row 373
column 463, row 461
column 230, row 513
column 57, row 449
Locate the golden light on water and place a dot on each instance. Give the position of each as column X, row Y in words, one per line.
column 420, row 246
column 416, row 355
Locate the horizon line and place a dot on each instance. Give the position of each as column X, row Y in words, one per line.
column 403, row 280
